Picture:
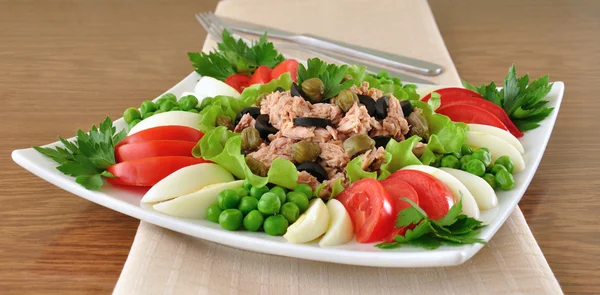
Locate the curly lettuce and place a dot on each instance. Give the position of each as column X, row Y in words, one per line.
column 383, row 82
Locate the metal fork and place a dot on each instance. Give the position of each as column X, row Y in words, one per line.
column 214, row 26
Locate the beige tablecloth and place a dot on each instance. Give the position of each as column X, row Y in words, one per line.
column 165, row 262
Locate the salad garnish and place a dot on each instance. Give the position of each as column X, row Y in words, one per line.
column 88, row 156
column 454, row 229
column 330, row 76
column 521, row 100
column 235, row 57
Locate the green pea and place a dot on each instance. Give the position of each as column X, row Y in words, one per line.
column 505, row 180
column 242, row 192
column 193, row 111
column 246, row 185
column 476, row 167
column 290, row 211
column 169, row 96
column 280, row 192
column 269, row 203
column 464, row 160
column 458, row 155
column 491, row 179
column 228, row 199
column 147, row 106
column 496, row 167
column 305, row 189
column 483, row 155
column 167, row 105
column 158, row 111
column 299, row 199
column 507, row 162
column 248, row 204
column 213, row 212
column 253, row 220
column 231, row 219
column 206, row 102
column 257, row 192
column 131, row 114
column 466, row 150
column 134, row 122
column 176, row 109
column 275, row 225
column 450, row 161
column 437, row 161
column 147, row 115
column 188, row 102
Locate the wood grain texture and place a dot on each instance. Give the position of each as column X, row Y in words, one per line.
column 65, row 65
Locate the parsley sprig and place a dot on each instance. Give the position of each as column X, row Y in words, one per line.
column 330, row 74
column 235, row 57
column 87, row 157
column 521, row 100
column 453, row 229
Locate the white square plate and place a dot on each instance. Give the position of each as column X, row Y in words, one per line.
column 127, row 201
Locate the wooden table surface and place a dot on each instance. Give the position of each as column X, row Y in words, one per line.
column 66, row 64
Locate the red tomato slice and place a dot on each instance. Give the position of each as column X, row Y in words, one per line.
column 262, row 75
column 453, row 92
column 155, row 148
column 452, row 96
column 238, row 81
column 434, row 197
column 183, row 133
column 148, row 171
column 286, row 66
column 371, row 209
column 470, row 114
column 399, row 189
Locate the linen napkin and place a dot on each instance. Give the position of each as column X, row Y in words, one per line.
column 166, row 262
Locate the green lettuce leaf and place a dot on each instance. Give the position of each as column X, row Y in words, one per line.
column 401, row 154
column 383, row 82
column 229, row 106
column 354, row 171
column 336, row 189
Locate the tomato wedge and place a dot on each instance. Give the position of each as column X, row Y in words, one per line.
column 286, row 66
column 471, row 114
column 182, row 133
column 399, row 189
column 262, row 75
column 452, row 96
column 154, row 148
column 371, row 209
column 434, row 197
column 238, row 81
column 148, row 171
column 453, row 92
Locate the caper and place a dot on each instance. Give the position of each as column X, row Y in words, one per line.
column 305, row 151
column 358, row 143
column 250, row 139
column 347, row 77
column 224, row 121
column 256, row 166
column 346, row 99
column 418, row 124
column 314, row 89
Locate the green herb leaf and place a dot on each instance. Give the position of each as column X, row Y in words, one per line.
column 92, row 182
column 453, row 213
column 330, row 74
column 388, row 245
column 410, row 215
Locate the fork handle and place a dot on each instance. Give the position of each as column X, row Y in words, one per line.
column 384, row 58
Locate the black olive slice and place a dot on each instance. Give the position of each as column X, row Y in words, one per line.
column 279, row 89
column 312, row 122
column 253, row 111
column 368, row 102
column 264, row 127
column 407, row 107
column 381, row 107
column 381, row 141
column 314, row 169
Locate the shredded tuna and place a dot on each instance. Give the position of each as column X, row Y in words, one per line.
column 283, row 108
column 306, row 178
column 322, row 135
column 373, row 159
column 328, row 184
column 356, row 121
column 333, row 132
column 419, row 149
column 298, row 132
column 245, row 122
column 365, row 90
column 394, row 125
column 326, row 111
column 333, row 154
column 278, row 148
